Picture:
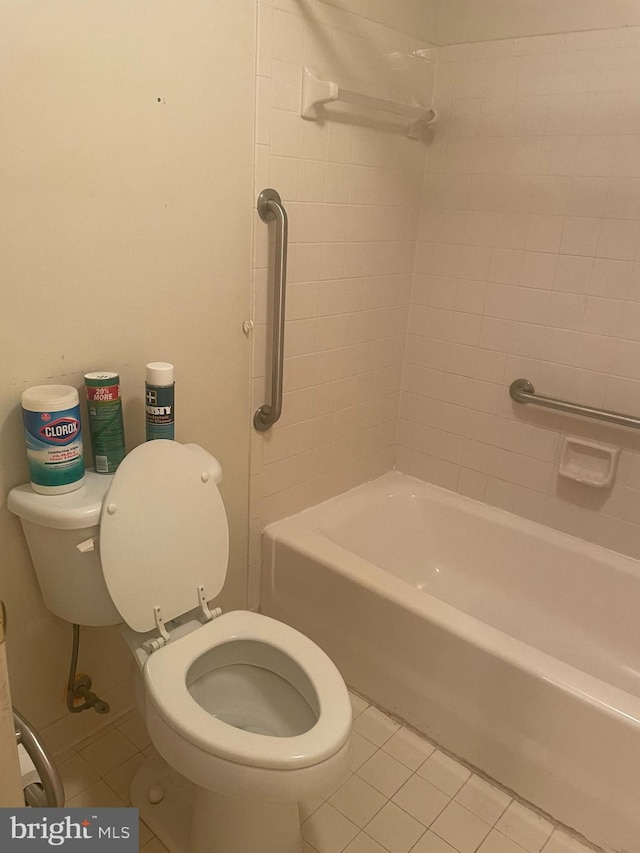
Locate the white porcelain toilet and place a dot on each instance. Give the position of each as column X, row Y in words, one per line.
column 248, row 715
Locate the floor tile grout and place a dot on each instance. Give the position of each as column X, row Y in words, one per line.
column 489, row 828
column 336, row 831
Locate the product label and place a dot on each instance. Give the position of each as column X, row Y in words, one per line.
column 54, row 446
column 159, row 412
column 105, row 393
column 61, row 431
column 106, row 426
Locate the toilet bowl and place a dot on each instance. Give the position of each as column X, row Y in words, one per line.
column 247, row 715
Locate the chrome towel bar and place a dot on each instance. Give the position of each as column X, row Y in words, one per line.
column 522, row 391
column 316, row 93
column 270, row 207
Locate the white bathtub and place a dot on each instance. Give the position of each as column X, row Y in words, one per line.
column 513, row 646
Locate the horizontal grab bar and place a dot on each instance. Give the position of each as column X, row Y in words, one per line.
column 45, row 768
column 522, row 391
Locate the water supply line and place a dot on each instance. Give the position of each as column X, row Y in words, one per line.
column 79, row 688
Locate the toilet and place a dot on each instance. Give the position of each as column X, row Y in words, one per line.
column 247, row 715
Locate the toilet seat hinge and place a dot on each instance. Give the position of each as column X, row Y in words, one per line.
column 204, row 606
column 158, row 642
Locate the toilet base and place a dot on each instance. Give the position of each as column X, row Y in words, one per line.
column 170, row 819
column 190, row 819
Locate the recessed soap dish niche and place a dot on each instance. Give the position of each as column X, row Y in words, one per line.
column 589, row 462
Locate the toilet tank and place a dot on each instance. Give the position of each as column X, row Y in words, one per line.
column 62, row 533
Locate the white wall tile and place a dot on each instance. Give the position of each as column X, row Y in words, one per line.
column 619, row 239
column 573, row 274
column 288, row 37
column 264, row 55
column 285, row 133
column 352, row 194
column 523, row 243
column 286, row 86
column 531, row 156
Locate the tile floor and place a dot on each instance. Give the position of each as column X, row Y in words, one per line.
column 401, row 795
column 98, row 771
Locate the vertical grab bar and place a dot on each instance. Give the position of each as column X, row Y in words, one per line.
column 270, row 207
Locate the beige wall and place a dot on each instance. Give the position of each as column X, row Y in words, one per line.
column 483, row 20
column 528, row 264
column 125, row 237
column 351, row 186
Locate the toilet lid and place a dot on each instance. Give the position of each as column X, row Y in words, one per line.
column 163, row 534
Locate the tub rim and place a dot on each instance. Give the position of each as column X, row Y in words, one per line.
column 302, row 533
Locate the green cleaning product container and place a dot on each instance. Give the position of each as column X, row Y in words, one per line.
column 106, row 423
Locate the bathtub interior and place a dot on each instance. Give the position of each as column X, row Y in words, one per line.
column 574, row 601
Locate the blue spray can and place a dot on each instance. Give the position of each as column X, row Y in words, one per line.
column 159, row 400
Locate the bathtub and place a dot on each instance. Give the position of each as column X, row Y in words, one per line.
column 513, row 646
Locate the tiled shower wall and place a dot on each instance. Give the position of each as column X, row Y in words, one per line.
column 528, row 265
column 352, row 191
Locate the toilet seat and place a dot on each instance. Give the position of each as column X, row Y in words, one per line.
column 166, row 673
column 164, row 536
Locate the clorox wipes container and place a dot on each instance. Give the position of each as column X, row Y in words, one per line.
column 52, row 431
